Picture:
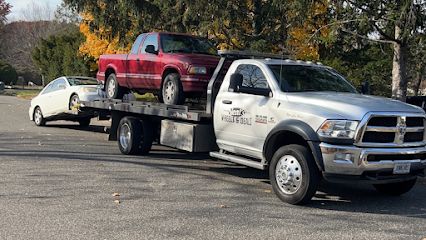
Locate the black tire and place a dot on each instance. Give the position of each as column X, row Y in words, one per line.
column 395, row 189
column 84, row 122
column 300, row 184
column 172, row 90
column 134, row 136
column 38, row 118
column 74, row 100
column 147, row 137
column 112, row 89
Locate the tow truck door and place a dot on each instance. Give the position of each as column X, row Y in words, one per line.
column 241, row 120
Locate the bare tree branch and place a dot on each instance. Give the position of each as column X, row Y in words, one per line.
column 367, row 38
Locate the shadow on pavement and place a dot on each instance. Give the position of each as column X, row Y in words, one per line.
column 331, row 196
column 91, row 128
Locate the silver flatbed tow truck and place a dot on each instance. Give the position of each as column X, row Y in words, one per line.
column 301, row 121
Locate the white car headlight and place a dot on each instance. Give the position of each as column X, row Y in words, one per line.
column 344, row 129
column 197, row 70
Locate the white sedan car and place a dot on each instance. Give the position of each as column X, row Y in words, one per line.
column 60, row 100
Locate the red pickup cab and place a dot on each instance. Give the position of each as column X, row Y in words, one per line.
column 171, row 65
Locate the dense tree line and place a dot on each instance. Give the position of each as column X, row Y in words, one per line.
column 366, row 40
column 19, row 38
column 378, row 41
column 7, row 73
column 58, row 55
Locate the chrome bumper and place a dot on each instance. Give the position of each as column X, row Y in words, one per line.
column 351, row 160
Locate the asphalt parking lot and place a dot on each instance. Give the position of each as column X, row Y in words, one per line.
column 58, row 181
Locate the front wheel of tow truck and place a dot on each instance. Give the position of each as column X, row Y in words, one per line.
column 395, row 189
column 134, row 136
column 294, row 175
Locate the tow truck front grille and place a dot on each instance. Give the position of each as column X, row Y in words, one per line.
column 393, row 131
column 399, row 157
column 384, row 137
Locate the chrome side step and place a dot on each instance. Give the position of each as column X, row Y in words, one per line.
column 238, row 160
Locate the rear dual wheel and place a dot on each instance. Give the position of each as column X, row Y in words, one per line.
column 135, row 136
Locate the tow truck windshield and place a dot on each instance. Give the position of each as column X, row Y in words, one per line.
column 301, row 78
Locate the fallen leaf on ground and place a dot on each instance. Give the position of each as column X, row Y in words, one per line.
column 223, row 206
column 267, row 191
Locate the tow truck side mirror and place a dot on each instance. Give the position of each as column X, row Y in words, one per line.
column 236, row 82
column 365, row 87
column 151, row 49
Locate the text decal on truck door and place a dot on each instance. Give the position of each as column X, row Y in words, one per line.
column 261, row 119
column 237, row 115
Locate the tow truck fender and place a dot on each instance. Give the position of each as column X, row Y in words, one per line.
column 301, row 129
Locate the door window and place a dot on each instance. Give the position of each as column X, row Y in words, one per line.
column 137, row 44
column 253, row 76
column 150, row 40
column 47, row 89
column 57, row 85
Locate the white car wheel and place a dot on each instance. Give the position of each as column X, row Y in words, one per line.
column 38, row 117
column 74, row 102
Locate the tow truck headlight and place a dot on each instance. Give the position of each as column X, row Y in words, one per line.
column 344, row 129
column 197, row 70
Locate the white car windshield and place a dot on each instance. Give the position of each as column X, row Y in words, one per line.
column 82, row 81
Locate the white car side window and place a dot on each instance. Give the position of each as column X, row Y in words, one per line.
column 47, row 89
column 57, row 85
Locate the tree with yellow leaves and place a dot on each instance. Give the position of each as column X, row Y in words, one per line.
column 301, row 40
column 96, row 44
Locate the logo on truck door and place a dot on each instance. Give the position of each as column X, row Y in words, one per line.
column 237, row 116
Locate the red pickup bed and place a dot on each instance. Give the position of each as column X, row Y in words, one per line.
column 173, row 66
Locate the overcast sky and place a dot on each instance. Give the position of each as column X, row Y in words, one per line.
column 22, row 9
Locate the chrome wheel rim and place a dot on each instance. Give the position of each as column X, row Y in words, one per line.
column 170, row 91
column 125, row 135
column 111, row 88
column 288, row 174
column 37, row 116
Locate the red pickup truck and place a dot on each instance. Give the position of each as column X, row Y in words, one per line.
column 172, row 65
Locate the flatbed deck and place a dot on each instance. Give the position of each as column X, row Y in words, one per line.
column 181, row 112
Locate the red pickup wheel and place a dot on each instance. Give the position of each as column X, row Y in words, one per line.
column 172, row 90
column 113, row 90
